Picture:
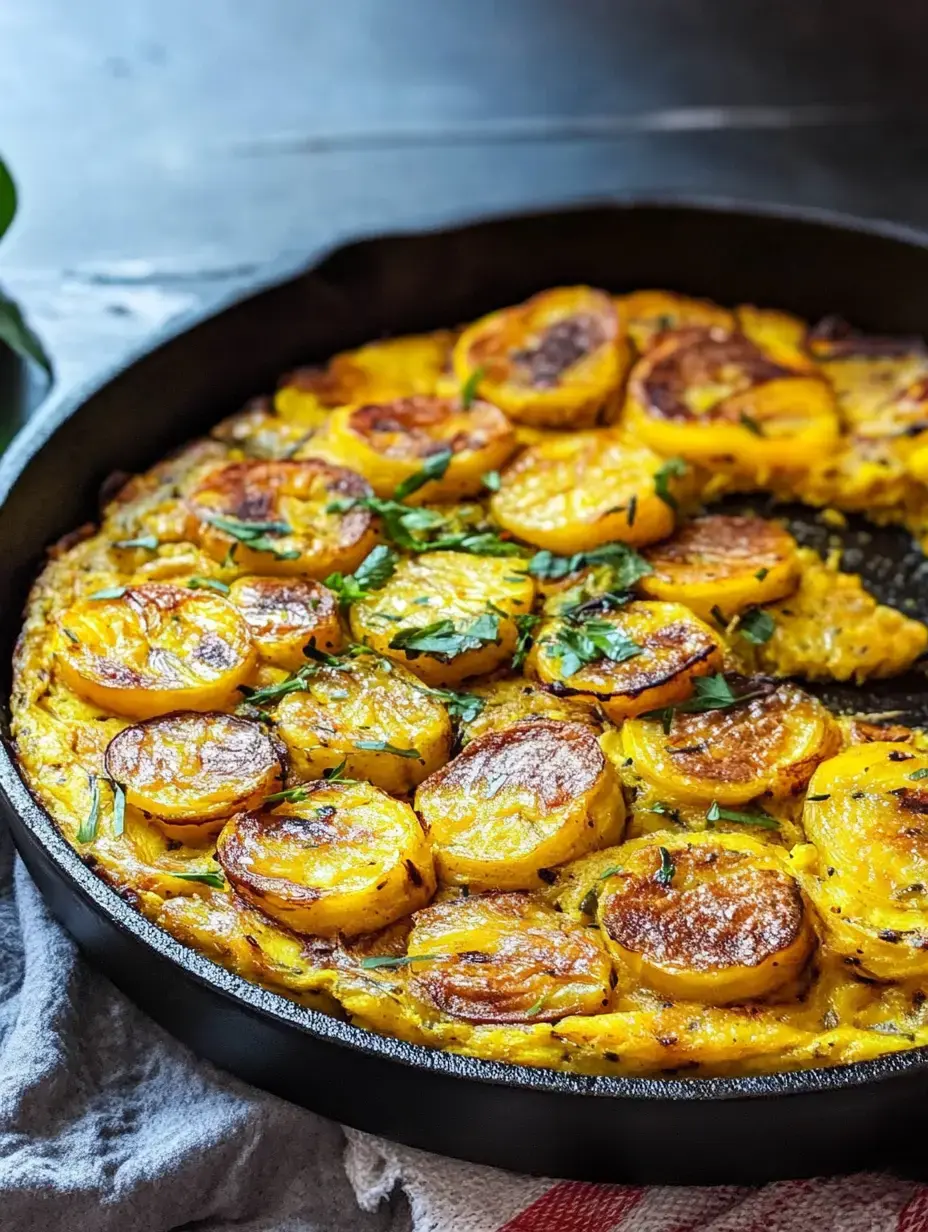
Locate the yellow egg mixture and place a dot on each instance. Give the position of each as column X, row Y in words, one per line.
column 432, row 693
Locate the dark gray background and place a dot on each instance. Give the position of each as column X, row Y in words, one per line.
column 167, row 149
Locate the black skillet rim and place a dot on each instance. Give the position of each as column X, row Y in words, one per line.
column 264, row 1003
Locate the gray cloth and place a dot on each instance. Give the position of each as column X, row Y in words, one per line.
column 108, row 1123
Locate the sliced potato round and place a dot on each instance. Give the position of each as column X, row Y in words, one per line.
column 574, row 492
column 516, row 699
column 723, row 562
column 556, row 361
column 648, row 315
column 769, row 745
column 515, row 801
column 715, row 918
column 506, row 958
column 285, row 614
column 371, row 715
column 446, row 615
column 154, row 648
column 190, row 768
column 348, row 859
column 720, row 399
column 277, row 517
column 669, row 646
column 867, row 814
column 389, row 442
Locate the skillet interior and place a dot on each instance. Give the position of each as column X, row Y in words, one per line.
column 530, row 1120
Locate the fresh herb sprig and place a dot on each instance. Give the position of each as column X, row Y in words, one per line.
column 757, row 626
column 88, row 827
column 433, row 468
column 525, row 637
column 576, row 646
column 443, row 640
column 710, row 693
column 673, row 468
column 255, row 535
column 208, row 877
column 372, row 574
column 665, row 873
column 760, row 819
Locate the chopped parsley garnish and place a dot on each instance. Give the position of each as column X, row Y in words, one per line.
column 255, row 535
column 463, row 706
column 208, row 583
column 381, row 960
column 667, row 869
column 757, row 626
column 719, row 616
column 470, row 387
column 664, row 810
column 291, row 795
column 72, row 637
column 492, row 481
column 444, row 641
column 673, row 468
column 149, row 542
column 208, row 877
column 119, row 808
column 383, row 746
column 296, row 682
column 631, row 510
column 525, row 625
column 372, row 574
column 88, row 829
column 625, row 566
column 336, row 774
column 109, row 592
column 537, row 1007
column 433, row 468
column 590, row 902
column 711, row 693
column 761, row 574
column 401, row 521
column 578, row 645
column 749, row 422
column 612, row 871
column 761, row 819
column 817, row 799
column 918, row 774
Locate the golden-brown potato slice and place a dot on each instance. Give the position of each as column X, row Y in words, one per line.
column 720, row 399
column 516, row 801
column 867, row 814
column 715, row 918
column 389, row 442
column 277, row 517
column 347, row 859
column 446, row 615
column 649, row 314
column 832, row 628
column 285, row 614
column 258, row 431
column 781, row 336
column 578, row 491
column 154, row 648
column 372, row 715
column 556, row 361
column 391, row 368
column 768, row 745
column 665, row 644
column 516, row 700
column 189, row 768
column 505, row 958
column 723, row 563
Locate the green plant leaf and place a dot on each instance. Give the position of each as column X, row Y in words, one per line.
column 7, row 198
column 19, row 336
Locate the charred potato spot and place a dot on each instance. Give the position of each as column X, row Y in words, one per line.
column 154, row 648
column 349, row 859
column 189, row 768
column 516, row 801
column 715, row 919
column 723, row 563
column 372, row 716
column 506, row 958
column 769, row 745
column 866, row 814
column 388, row 442
column 648, row 315
column 572, row 493
column 672, row 646
column 518, row 700
column 719, row 398
column 447, row 593
column 555, row 361
column 285, row 614
column 278, row 517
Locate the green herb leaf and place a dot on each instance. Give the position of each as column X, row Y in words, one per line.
column 575, row 646
column 371, row 964
column 817, row 799
column 109, row 592
column 119, row 808
column 290, row 795
column 757, row 626
column 336, row 774
column 625, row 566
column 492, row 481
column 72, row 637
column 470, row 387
column 7, row 197
column 372, row 574
column 664, row 810
column 88, row 829
column 749, row 422
column 761, row 574
column 255, row 535
column 718, row 616
column 761, row 819
column 463, row 706
column 444, row 641
column 149, row 542
column 710, row 693
column 383, row 746
column 19, row 335
column 918, row 774
column 631, row 509
column 208, row 583
column 210, row 878
column 612, row 871
column 296, row 682
column 672, row 468
column 525, row 625
column 589, row 902
column 433, row 468
column 537, row 1007
column 400, row 522
column 667, row 869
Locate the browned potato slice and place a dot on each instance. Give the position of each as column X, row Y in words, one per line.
column 556, row 361
column 145, row 650
column 516, row 700
column 723, row 563
column 768, row 745
column 506, row 958
column 711, row 917
column 649, row 314
column 346, row 859
column 277, row 517
column 389, row 442
column 371, row 715
column 259, row 432
column 516, row 801
column 666, row 647
column 189, row 768
column 285, row 614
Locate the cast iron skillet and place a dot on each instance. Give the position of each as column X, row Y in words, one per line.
column 673, row 1130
